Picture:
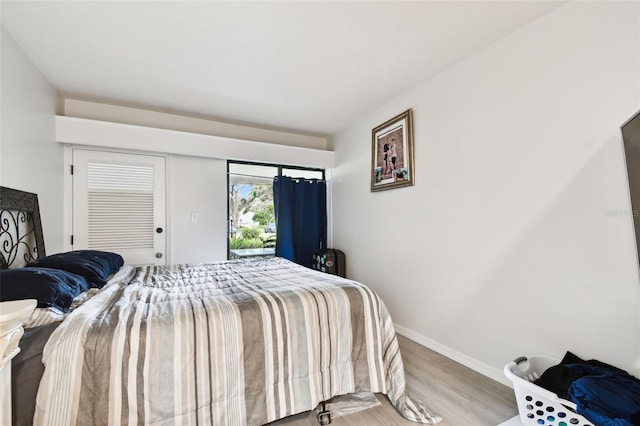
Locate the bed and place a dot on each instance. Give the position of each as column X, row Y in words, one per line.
column 241, row 342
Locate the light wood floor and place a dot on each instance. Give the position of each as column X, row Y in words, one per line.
column 460, row 395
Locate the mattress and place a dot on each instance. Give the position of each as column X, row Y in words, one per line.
column 237, row 343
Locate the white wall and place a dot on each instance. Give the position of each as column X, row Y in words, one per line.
column 195, row 182
column 110, row 135
column 29, row 160
column 503, row 247
column 164, row 120
column 197, row 185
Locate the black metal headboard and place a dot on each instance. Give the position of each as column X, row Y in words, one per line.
column 21, row 239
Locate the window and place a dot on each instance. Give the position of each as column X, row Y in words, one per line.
column 252, row 228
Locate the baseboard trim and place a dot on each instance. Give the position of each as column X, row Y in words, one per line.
column 467, row 361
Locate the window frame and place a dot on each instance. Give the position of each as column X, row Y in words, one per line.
column 279, row 167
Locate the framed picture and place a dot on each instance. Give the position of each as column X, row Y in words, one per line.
column 392, row 153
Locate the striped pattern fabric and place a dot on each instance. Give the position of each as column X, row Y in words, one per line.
column 230, row 343
column 44, row 316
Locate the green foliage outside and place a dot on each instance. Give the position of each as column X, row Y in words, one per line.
column 268, row 240
column 265, row 215
column 249, row 238
column 244, row 243
column 250, row 233
column 257, row 199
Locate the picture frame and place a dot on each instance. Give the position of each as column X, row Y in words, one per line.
column 392, row 153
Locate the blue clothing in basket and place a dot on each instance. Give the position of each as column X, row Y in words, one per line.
column 606, row 397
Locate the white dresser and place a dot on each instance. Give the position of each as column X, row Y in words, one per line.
column 12, row 315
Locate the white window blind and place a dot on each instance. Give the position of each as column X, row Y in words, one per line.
column 120, row 206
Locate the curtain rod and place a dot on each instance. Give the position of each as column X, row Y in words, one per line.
column 298, row 179
column 274, row 177
column 253, row 176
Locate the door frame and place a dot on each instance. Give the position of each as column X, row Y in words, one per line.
column 67, row 226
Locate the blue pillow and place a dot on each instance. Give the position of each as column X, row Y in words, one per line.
column 95, row 266
column 50, row 287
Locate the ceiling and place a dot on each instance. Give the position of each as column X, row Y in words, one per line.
column 310, row 67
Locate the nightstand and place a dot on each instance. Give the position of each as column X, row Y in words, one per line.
column 12, row 315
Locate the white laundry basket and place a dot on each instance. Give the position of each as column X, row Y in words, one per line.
column 536, row 405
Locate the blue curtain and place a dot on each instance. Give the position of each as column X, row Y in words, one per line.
column 301, row 217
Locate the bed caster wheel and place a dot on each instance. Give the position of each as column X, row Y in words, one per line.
column 324, row 417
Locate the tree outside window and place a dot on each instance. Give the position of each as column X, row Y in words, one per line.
column 252, row 215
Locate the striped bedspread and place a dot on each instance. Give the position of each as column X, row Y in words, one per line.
column 229, row 343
